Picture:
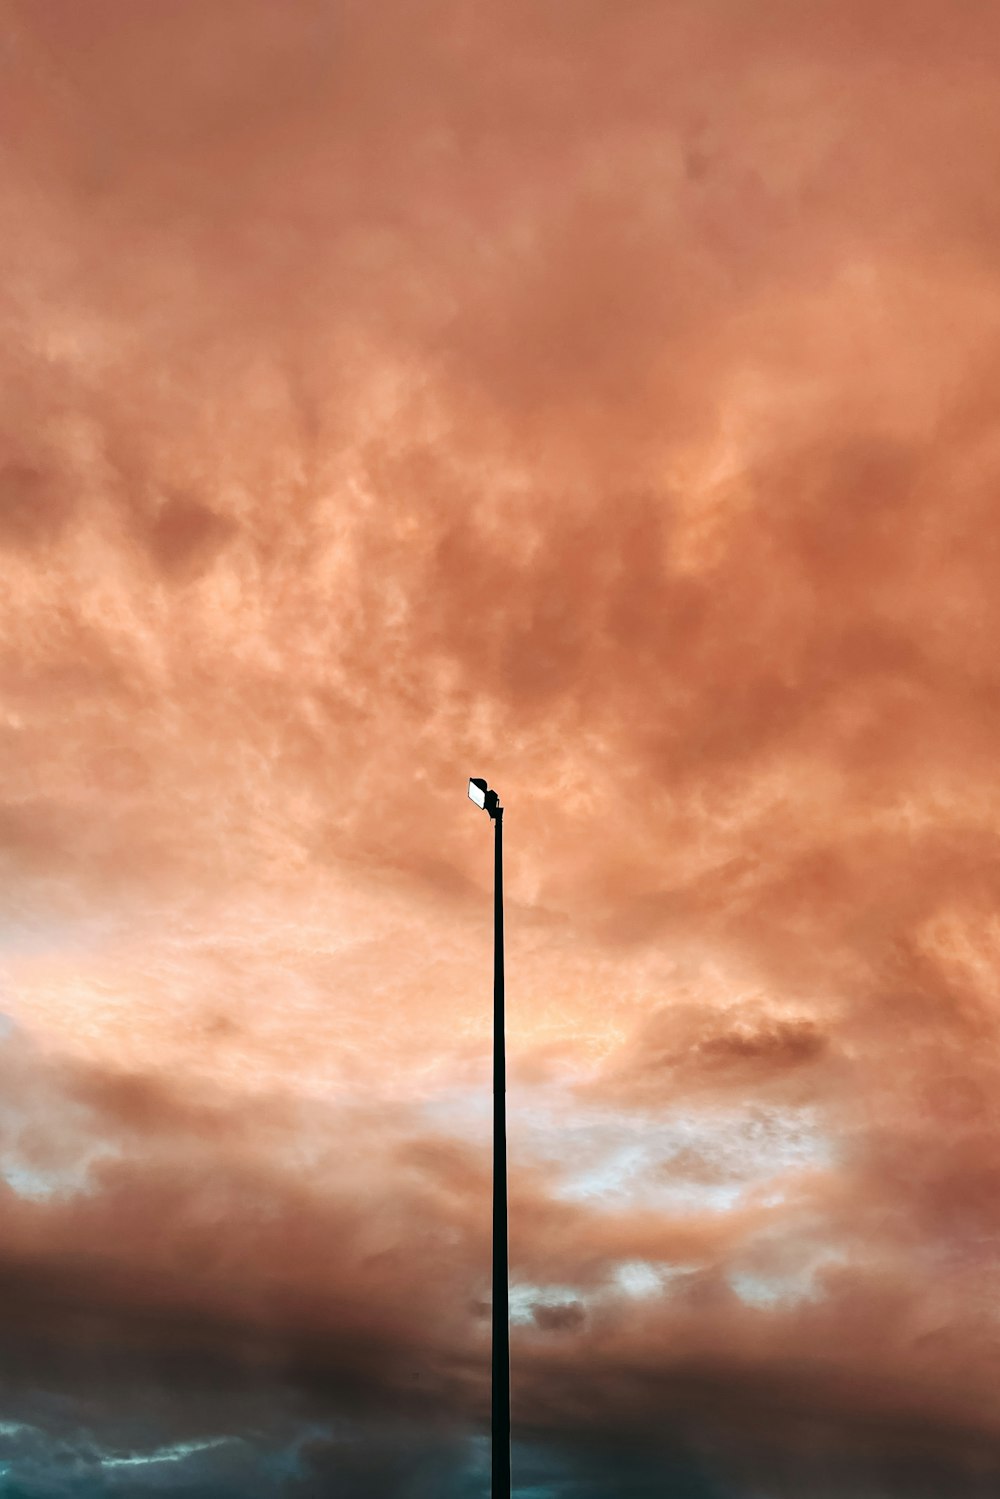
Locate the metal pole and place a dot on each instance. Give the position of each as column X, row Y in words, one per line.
column 501, row 1311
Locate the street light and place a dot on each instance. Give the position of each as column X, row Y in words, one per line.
column 483, row 797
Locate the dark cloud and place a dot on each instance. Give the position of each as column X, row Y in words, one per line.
column 556, row 1317
column 183, row 535
column 686, row 1049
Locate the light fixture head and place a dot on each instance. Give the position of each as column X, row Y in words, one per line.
column 481, row 794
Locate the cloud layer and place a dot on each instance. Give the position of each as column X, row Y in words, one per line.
column 601, row 403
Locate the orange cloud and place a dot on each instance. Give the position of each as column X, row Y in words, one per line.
column 600, row 403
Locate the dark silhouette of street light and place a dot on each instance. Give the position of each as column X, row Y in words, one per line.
column 500, row 1429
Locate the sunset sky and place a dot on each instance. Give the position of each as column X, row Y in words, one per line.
column 599, row 396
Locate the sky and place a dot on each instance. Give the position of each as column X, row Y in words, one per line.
column 598, row 396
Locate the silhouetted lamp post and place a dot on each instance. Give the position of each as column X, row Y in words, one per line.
column 500, row 1443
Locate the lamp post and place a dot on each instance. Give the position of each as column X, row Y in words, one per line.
column 483, row 797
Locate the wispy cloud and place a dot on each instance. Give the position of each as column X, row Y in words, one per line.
column 603, row 403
